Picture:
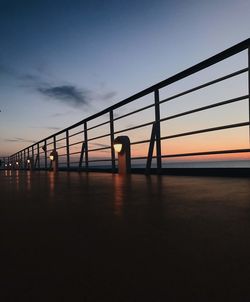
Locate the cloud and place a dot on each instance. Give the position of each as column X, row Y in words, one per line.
column 108, row 95
column 67, row 94
column 46, row 85
column 19, row 139
column 48, row 127
column 29, row 77
column 62, row 113
column 53, row 128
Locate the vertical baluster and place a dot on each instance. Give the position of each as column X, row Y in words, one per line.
column 45, row 155
column 158, row 130
column 67, row 148
column 86, row 145
column 38, row 156
column 112, row 138
column 249, row 88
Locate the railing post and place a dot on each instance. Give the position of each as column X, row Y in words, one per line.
column 151, row 149
column 157, row 130
column 86, row 146
column 249, row 88
column 21, row 159
column 38, row 156
column 33, row 157
column 45, row 155
column 24, row 158
column 54, row 142
column 67, row 148
column 54, row 150
column 112, row 138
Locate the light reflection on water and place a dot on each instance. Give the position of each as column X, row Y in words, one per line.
column 17, row 178
column 28, row 180
column 119, row 194
column 8, row 172
column 52, row 176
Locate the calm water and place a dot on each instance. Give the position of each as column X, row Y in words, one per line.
column 191, row 164
column 210, row 164
column 179, row 164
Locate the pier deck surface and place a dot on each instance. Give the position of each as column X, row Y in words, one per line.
column 102, row 237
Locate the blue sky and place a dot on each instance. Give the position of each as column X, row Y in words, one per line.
column 61, row 61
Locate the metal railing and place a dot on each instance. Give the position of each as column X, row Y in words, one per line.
column 81, row 145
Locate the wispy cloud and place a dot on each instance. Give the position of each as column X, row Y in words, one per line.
column 19, row 139
column 51, row 89
column 47, row 127
column 108, row 96
column 58, row 114
column 68, row 94
column 53, row 128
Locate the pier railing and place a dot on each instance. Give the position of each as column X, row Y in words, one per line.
column 163, row 107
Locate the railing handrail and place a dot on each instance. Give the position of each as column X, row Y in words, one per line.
column 68, row 157
column 191, row 70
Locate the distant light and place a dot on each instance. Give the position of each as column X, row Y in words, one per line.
column 28, row 161
column 17, row 163
column 5, row 165
column 122, row 147
column 118, row 148
column 9, row 164
column 53, row 155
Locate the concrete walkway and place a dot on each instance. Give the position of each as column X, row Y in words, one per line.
column 102, row 237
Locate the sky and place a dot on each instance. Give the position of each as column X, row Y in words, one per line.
column 61, row 61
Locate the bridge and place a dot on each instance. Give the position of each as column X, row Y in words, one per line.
column 93, row 236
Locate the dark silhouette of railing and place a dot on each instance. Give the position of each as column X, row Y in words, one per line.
column 79, row 157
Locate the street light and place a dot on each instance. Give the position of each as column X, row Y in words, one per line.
column 117, row 147
column 30, row 163
column 122, row 147
column 54, row 160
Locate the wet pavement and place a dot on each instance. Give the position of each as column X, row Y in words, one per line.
column 102, row 237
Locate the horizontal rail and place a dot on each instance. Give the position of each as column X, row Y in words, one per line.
column 77, row 143
column 140, row 142
column 74, row 134
column 99, row 125
column 73, row 153
column 97, row 137
column 215, row 152
column 183, row 74
column 207, row 153
column 134, row 127
column 204, row 85
column 133, row 112
column 99, row 160
column 61, row 155
column 61, row 147
column 244, row 97
column 206, row 130
column 60, row 139
column 98, row 149
column 53, row 141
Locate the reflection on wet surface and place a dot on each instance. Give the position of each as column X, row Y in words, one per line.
column 119, row 194
column 96, row 236
column 28, row 180
column 51, row 177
